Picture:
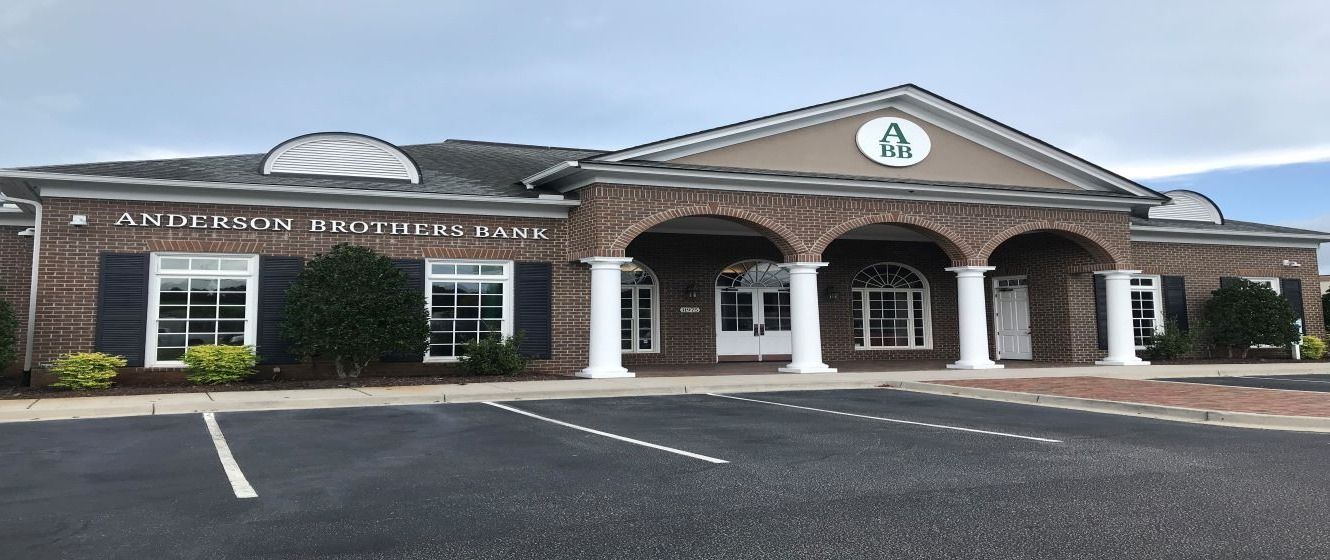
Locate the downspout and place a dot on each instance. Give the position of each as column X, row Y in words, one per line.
column 32, row 287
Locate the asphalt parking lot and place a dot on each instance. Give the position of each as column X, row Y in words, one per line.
column 1310, row 382
column 822, row 474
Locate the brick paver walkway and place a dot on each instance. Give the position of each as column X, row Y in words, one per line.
column 1189, row 395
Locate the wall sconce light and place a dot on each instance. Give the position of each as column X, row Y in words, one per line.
column 690, row 291
column 78, row 220
column 1292, row 264
column 27, row 232
column 831, row 294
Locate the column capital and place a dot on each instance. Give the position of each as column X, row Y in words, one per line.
column 606, row 262
column 970, row 271
column 1117, row 273
column 802, row 267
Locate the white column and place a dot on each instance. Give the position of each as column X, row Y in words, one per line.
column 605, row 356
column 805, row 321
column 1117, row 301
column 972, row 316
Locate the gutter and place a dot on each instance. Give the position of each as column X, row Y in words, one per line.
column 557, row 169
column 32, row 283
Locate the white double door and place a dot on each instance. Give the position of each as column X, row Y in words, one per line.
column 1011, row 318
column 752, row 324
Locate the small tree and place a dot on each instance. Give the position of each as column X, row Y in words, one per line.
column 1245, row 314
column 1170, row 342
column 8, row 335
column 353, row 306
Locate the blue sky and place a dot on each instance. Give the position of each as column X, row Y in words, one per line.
column 1225, row 97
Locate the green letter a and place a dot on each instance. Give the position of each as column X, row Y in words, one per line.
column 894, row 129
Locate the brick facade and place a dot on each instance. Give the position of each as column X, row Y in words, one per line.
column 15, row 273
column 1058, row 249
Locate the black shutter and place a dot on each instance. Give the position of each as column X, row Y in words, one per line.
column 1175, row 301
column 532, row 305
column 122, row 306
column 1227, row 281
column 1101, row 310
column 276, row 274
column 1291, row 288
column 415, row 276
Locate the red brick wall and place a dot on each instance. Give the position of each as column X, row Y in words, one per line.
column 15, row 271
column 1060, row 328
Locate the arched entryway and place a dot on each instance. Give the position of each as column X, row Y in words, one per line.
column 752, row 308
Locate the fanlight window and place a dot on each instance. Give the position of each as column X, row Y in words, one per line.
column 638, row 309
column 891, row 308
column 634, row 274
column 754, row 274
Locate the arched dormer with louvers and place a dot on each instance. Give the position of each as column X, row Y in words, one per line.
column 341, row 154
column 1188, row 205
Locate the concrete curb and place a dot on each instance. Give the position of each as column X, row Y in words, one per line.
column 1160, row 412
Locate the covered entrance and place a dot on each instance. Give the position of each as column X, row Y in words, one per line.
column 753, row 312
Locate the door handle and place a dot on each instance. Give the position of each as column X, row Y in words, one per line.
column 759, row 329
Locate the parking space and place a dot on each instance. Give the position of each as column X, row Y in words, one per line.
column 1314, row 383
column 856, row 473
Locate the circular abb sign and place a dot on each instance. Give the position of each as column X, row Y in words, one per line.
column 893, row 141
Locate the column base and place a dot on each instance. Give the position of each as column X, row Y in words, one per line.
column 1129, row 362
column 815, row 368
column 989, row 365
column 605, row 373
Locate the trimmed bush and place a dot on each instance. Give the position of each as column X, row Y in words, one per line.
column 1246, row 314
column 86, row 370
column 8, row 335
column 1171, row 342
column 1312, row 348
column 493, row 355
column 214, row 364
column 353, row 306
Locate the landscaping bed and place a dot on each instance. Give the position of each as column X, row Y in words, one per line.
column 9, row 391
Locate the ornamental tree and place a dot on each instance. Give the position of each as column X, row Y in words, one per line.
column 1245, row 314
column 351, row 305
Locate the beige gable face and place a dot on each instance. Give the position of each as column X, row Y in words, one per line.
column 830, row 148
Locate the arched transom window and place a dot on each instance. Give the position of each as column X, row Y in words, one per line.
column 891, row 308
column 753, row 274
column 638, row 330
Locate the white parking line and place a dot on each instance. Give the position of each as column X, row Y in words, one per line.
column 893, row 420
column 609, row 435
column 238, row 483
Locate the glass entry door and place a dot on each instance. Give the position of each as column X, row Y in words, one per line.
column 753, row 313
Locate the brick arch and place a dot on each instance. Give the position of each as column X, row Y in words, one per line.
column 785, row 240
column 945, row 237
column 1102, row 250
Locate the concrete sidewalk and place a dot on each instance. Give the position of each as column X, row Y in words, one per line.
column 230, row 401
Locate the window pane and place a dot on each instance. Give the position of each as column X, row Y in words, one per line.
column 491, row 270
column 203, row 264
column 174, row 263
column 239, row 265
column 460, row 314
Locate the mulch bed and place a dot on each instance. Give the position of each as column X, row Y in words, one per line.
column 9, row 391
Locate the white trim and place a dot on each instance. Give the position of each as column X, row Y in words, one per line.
column 942, row 113
column 654, row 287
column 927, row 309
column 1158, row 290
column 992, row 300
column 506, row 279
column 821, row 186
column 210, row 192
column 339, row 156
column 1155, row 234
column 155, row 294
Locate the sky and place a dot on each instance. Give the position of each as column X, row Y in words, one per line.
column 1228, row 98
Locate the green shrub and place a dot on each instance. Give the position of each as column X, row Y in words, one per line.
column 353, row 306
column 214, row 364
column 1312, row 348
column 8, row 335
column 1245, row 314
column 86, row 370
column 1171, row 342
column 493, row 355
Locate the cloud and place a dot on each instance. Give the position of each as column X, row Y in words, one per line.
column 1264, row 158
column 136, row 153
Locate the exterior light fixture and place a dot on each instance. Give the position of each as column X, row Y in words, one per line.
column 1291, row 264
column 28, row 232
column 831, row 294
column 690, row 292
column 78, row 220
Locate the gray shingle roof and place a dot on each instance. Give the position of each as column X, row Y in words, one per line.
column 450, row 167
column 1235, row 226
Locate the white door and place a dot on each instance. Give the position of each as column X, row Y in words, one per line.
column 752, row 324
column 1011, row 317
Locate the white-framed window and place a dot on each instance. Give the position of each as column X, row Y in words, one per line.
column 638, row 331
column 1147, row 308
column 468, row 299
column 199, row 299
column 891, row 308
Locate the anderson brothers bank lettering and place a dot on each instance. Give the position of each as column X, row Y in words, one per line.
column 244, row 223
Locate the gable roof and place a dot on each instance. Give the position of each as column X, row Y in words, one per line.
column 937, row 109
column 462, row 167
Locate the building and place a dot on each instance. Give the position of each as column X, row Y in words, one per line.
column 896, row 225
